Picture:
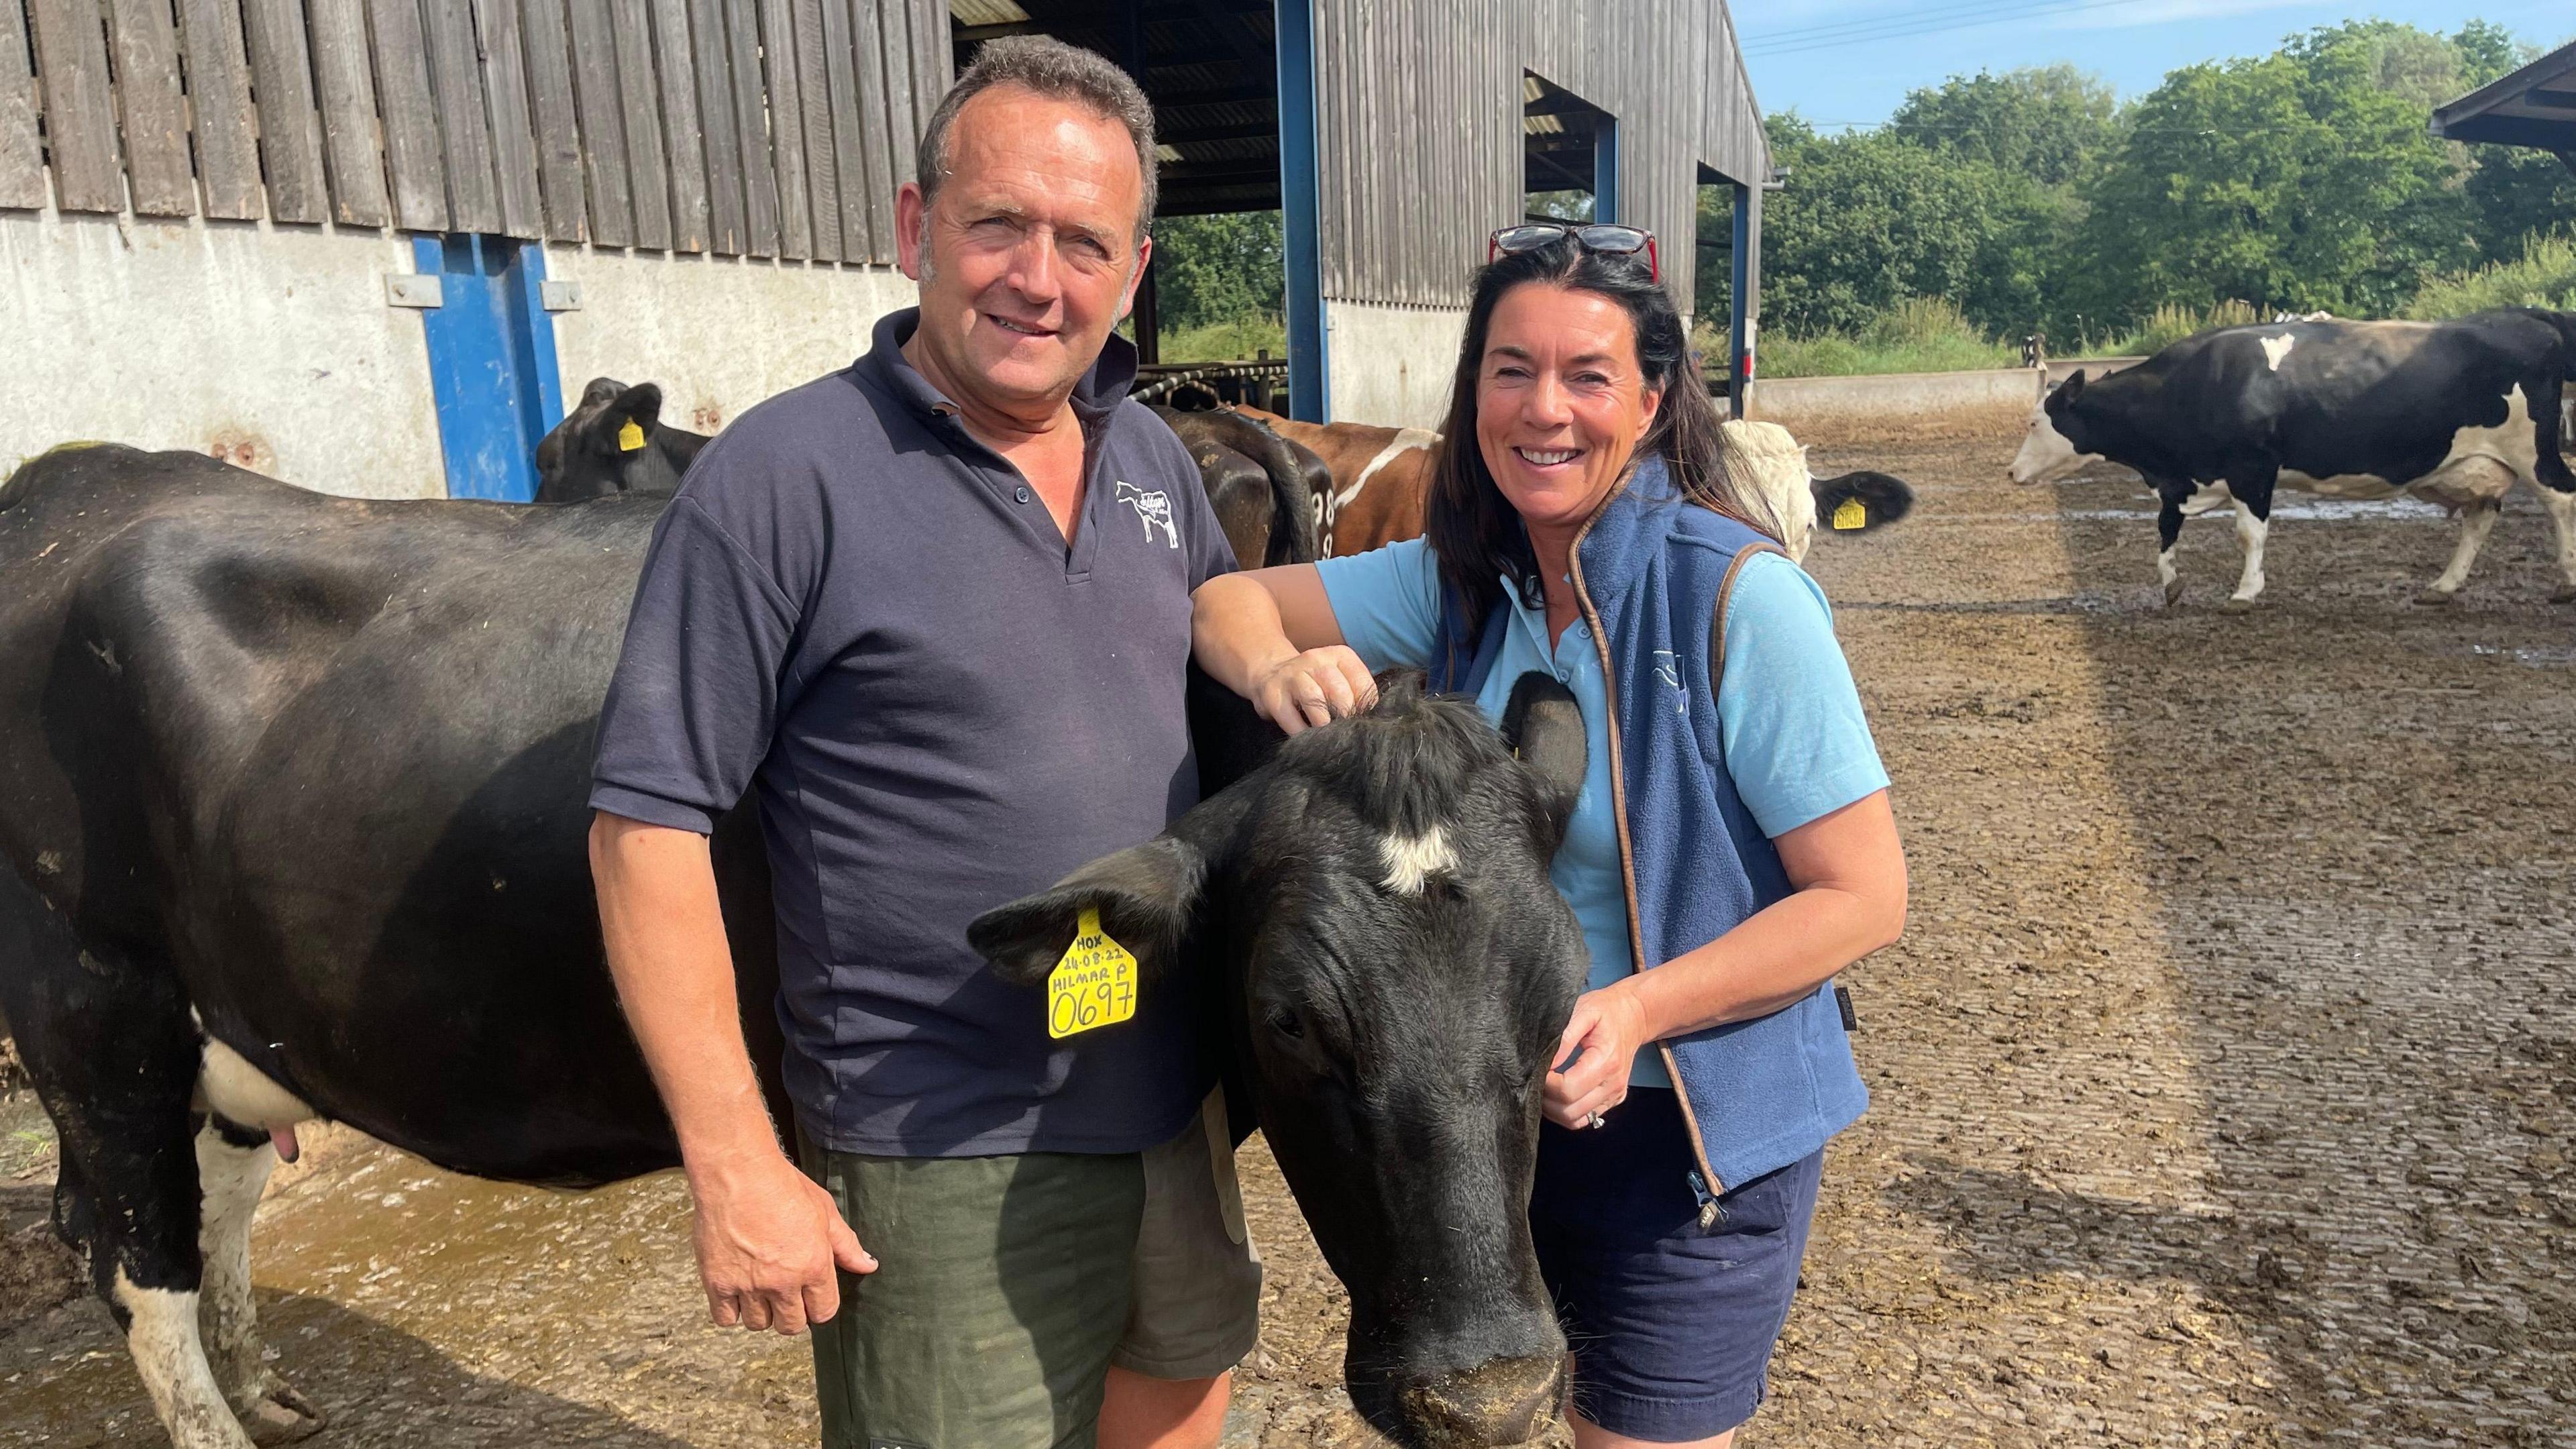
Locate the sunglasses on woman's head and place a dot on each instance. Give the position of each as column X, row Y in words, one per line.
column 1600, row 240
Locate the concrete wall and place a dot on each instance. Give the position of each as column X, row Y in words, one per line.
column 272, row 346
column 718, row 333
column 1913, row 398
column 1391, row 365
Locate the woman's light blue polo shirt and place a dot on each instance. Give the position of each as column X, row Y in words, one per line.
column 1796, row 741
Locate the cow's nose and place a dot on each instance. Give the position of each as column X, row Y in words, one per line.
column 1502, row 1401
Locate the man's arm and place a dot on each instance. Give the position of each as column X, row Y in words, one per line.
column 767, row 1236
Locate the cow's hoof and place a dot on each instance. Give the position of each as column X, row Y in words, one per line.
column 2237, row 606
column 282, row 1416
column 2173, row 593
column 2435, row 598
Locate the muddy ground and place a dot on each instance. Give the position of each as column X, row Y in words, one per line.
column 2224, row 1080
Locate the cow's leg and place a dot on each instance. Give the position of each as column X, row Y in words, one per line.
column 2475, row 489
column 2168, row 532
column 113, row 1057
column 233, row 1164
column 2252, row 490
column 2562, row 518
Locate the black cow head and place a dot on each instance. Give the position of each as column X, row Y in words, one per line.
column 614, row 442
column 1394, row 968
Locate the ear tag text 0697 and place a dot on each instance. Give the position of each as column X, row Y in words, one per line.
column 1851, row 513
column 1095, row 983
column 630, row 438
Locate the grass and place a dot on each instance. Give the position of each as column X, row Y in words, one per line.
column 1918, row 334
column 1236, row 341
column 2543, row 276
column 2172, row 323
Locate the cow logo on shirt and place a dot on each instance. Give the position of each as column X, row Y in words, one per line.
column 1154, row 510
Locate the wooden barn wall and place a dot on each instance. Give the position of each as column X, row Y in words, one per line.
column 1419, row 115
column 763, row 128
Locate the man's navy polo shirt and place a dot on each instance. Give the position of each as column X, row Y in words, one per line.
column 863, row 613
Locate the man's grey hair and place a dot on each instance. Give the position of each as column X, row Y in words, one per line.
column 1057, row 71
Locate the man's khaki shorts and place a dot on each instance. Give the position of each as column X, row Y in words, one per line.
column 1008, row 1285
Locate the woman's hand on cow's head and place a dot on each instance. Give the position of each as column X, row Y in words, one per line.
column 1590, row 1071
column 1314, row 687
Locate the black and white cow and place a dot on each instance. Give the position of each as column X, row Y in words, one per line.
column 2453, row 412
column 614, row 441
column 292, row 823
column 1394, row 968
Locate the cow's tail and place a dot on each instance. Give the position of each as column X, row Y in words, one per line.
column 1862, row 500
column 1292, row 504
column 2548, row 408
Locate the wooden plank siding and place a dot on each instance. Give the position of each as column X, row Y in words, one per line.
column 720, row 135
column 840, row 75
column 1669, row 72
column 508, row 107
column 346, row 84
column 156, row 117
column 290, row 127
column 409, row 111
column 22, row 157
column 80, row 109
column 210, row 37
column 647, row 171
column 822, row 169
column 786, row 127
column 555, row 119
column 603, row 127
column 877, row 136
column 685, row 150
column 751, row 128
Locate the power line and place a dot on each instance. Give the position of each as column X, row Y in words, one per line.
column 1918, row 25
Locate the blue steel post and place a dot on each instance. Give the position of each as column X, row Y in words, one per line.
column 1300, row 202
column 1739, row 304
column 1605, row 168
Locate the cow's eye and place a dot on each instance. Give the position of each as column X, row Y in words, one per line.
column 1286, row 1022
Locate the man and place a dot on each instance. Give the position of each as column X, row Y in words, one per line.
column 934, row 609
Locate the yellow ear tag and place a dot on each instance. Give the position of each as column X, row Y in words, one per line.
column 1095, row 983
column 631, row 438
column 1851, row 514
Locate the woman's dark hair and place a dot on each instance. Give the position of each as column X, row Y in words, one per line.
column 1473, row 528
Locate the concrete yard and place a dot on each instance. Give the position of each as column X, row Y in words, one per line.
column 2225, row 1080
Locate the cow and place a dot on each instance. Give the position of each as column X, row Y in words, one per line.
column 1257, row 483
column 292, row 827
column 614, row 442
column 2453, row 412
column 1392, row 970
column 1771, row 466
column 1381, row 478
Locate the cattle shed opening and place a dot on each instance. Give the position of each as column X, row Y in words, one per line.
column 2534, row 106
column 1393, row 135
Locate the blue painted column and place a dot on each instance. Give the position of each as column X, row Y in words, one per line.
column 1605, row 168
column 1743, row 308
column 492, row 363
column 1300, row 207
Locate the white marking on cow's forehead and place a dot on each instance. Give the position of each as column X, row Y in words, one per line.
column 2276, row 348
column 1411, row 861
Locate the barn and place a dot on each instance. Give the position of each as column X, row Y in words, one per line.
column 370, row 246
column 2534, row 106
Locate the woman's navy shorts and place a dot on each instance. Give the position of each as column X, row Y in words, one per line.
column 1671, row 1327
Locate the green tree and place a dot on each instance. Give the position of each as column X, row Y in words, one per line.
column 2300, row 180
column 1216, row 269
column 2043, row 122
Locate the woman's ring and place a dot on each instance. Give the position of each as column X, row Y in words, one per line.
column 1593, row 1119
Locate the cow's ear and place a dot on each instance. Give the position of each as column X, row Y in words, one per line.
column 600, row 392
column 641, row 405
column 2067, row 392
column 1144, row 895
column 1545, row 728
column 1862, row 500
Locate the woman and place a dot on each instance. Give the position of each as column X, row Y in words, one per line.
column 1724, row 862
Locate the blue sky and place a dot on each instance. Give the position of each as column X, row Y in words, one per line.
column 1798, row 58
